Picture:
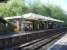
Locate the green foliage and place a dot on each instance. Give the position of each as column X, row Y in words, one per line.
column 41, row 9
column 16, row 8
column 13, row 8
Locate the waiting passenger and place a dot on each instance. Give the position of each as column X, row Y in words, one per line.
column 25, row 28
column 15, row 27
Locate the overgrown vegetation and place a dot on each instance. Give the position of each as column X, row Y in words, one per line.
column 15, row 7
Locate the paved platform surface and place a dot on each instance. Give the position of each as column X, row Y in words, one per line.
column 61, row 44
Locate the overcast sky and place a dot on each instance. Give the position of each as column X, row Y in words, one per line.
column 61, row 3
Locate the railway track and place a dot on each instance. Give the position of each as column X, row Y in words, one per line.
column 49, row 43
column 29, row 41
column 36, row 44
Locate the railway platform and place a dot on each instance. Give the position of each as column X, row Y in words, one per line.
column 61, row 44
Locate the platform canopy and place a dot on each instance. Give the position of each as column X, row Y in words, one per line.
column 37, row 17
column 34, row 16
column 13, row 17
column 52, row 19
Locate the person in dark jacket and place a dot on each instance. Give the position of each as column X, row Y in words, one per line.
column 25, row 28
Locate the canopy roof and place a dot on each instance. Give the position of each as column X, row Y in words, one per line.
column 37, row 17
column 34, row 17
column 13, row 17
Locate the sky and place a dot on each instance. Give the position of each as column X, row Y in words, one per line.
column 61, row 3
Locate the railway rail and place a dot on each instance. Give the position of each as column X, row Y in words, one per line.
column 35, row 45
column 27, row 40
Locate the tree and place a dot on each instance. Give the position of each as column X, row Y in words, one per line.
column 13, row 8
